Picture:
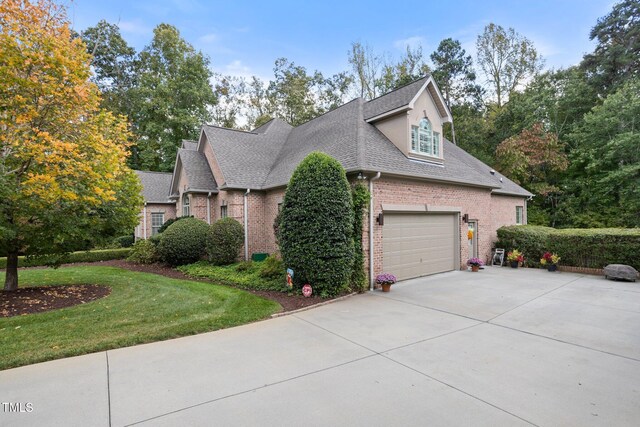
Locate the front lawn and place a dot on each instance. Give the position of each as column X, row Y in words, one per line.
column 141, row 308
column 245, row 275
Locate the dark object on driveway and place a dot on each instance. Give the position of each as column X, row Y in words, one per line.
column 620, row 271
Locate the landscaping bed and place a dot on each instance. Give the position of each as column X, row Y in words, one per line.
column 44, row 298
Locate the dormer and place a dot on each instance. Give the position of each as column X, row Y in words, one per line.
column 412, row 117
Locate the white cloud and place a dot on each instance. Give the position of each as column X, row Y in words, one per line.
column 209, row 38
column 411, row 42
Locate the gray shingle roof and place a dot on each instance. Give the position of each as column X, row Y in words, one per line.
column 247, row 157
column 197, row 169
column 155, row 186
column 393, row 100
column 189, row 145
column 266, row 157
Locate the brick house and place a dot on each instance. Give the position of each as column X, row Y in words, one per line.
column 427, row 192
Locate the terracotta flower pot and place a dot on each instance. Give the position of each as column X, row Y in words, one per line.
column 386, row 287
column 475, row 268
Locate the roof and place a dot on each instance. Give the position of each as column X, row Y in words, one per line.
column 267, row 156
column 196, row 167
column 393, row 100
column 189, row 145
column 247, row 157
column 155, row 186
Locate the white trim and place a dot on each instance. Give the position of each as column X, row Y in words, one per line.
column 388, row 113
column 144, row 221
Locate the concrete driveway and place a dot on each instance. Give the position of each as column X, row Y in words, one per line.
column 499, row 347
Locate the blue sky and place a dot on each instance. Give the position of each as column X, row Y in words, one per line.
column 245, row 38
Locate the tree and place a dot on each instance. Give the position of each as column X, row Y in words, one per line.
column 605, row 171
column 616, row 57
column 113, row 62
column 316, row 226
column 529, row 157
column 453, row 71
column 507, row 59
column 63, row 178
column 366, row 68
column 410, row 67
column 172, row 99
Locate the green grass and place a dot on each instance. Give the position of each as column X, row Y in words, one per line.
column 141, row 308
column 242, row 275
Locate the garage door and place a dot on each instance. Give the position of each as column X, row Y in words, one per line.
column 415, row 245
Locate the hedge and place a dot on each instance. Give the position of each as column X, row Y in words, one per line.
column 83, row 256
column 224, row 241
column 577, row 247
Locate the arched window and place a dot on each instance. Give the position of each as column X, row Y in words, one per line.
column 424, row 140
column 185, row 205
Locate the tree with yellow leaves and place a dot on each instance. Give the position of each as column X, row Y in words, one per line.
column 64, row 183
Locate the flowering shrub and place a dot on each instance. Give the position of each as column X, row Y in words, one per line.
column 549, row 258
column 515, row 255
column 476, row 262
column 385, row 279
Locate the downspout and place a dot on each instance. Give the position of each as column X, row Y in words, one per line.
column 246, row 225
column 144, row 220
column 371, row 278
column 209, row 208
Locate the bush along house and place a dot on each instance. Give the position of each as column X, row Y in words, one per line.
column 433, row 205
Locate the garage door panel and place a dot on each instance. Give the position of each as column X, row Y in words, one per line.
column 418, row 244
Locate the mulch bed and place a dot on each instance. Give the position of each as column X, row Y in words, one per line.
column 45, row 298
column 40, row 299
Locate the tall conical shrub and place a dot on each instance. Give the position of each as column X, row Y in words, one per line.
column 316, row 225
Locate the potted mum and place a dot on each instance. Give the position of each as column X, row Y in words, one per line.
column 385, row 280
column 515, row 257
column 475, row 264
column 550, row 261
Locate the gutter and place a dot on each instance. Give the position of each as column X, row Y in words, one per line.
column 144, row 220
column 246, row 225
column 209, row 208
column 371, row 233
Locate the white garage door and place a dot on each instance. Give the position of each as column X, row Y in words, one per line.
column 416, row 245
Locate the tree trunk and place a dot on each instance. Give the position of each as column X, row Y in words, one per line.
column 11, row 279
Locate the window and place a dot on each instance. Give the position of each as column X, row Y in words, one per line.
column 280, row 207
column 157, row 219
column 424, row 140
column 185, row 205
column 519, row 211
column 223, row 211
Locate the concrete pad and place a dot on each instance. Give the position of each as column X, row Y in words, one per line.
column 373, row 391
column 598, row 291
column 65, row 392
column 602, row 328
column 472, row 294
column 381, row 324
column 543, row 381
column 158, row 378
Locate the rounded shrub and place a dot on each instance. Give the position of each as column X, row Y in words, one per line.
column 183, row 242
column 143, row 252
column 316, row 225
column 170, row 221
column 224, row 241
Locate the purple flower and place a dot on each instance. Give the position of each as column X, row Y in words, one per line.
column 385, row 278
column 475, row 261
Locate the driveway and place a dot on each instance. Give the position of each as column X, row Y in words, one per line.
column 499, row 347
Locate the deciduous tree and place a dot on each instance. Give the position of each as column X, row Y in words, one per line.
column 63, row 178
column 507, row 59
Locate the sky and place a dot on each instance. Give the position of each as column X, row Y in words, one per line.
column 245, row 37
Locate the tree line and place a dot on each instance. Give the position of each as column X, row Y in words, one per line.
column 569, row 135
